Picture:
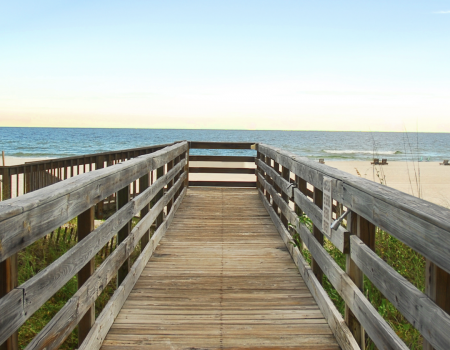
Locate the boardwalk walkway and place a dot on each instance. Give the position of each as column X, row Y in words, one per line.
column 220, row 279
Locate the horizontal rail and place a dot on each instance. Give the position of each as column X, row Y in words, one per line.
column 213, row 170
column 129, row 153
column 422, row 225
column 332, row 315
column 94, row 339
column 29, row 217
column 418, row 308
column 37, row 290
column 56, row 331
column 221, row 145
column 238, row 159
column 223, row 183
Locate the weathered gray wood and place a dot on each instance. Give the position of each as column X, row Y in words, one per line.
column 223, row 183
column 432, row 322
column 9, row 281
column 420, row 224
column 317, row 233
column 216, row 170
column 222, row 159
column 340, row 238
column 357, row 276
column 284, row 185
column 221, row 145
column 42, row 286
column 376, row 327
column 26, row 218
column 332, row 315
column 104, row 322
column 57, row 330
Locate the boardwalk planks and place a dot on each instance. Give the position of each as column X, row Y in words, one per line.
column 221, row 278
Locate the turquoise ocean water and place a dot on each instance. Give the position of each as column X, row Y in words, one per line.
column 64, row 142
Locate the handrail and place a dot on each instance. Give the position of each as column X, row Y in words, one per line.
column 27, row 218
column 414, row 221
column 38, row 174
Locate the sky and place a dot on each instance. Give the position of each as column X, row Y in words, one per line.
column 284, row 64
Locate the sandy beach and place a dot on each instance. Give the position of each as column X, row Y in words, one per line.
column 434, row 178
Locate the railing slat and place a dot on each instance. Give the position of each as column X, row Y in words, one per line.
column 29, row 217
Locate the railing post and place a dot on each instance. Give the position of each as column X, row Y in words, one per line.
column 437, row 287
column 99, row 164
column 85, row 227
column 186, row 168
column 286, row 174
column 143, row 185
column 267, row 177
column 169, row 185
column 317, row 233
column 123, row 197
column 6, row 184
column 8, row 281
column 160, row 217
column 365, row 230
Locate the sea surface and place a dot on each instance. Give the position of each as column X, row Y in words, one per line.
column 65, row 142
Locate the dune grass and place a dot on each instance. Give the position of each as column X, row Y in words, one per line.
column 403, row 259
column 35, row 258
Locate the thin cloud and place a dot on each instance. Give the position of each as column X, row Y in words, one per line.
column 442, row 12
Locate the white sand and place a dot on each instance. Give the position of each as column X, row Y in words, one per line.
column 19, row 160
column 434, row 179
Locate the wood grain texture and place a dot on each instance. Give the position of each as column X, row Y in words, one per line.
column 217, row 170
column 221, row 278
column 422, row 225
column 29, row 217
column 222, row 159
column 221, row 145
column 337, row 324
column 43, row 285
column 223, row 183
column 420, row 310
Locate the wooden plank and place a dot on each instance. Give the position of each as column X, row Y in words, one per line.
column 340, row 238
column 207, row 284
column 376, row 327
column 8, row 283
column 421, row 225
column 332, row 315
column 109, row 313
column 57, row 330
column 238, row 159
column 223, row 183
column 29, row 217
column 419, row 309
column 42, row 286
column 221, row 145
column 209, row 170
column 85, row 227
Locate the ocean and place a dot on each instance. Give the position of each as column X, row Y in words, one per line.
column 65, row 142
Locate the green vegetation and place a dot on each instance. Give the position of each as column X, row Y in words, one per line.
column 39, row 255
column 402, row 258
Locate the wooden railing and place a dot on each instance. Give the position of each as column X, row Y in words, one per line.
column 224, row 162
column 27, row 218
column 290, row 185
column 31, row 176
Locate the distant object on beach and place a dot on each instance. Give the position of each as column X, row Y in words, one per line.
column 376, row 161
column 445, row 162
column 322, row 161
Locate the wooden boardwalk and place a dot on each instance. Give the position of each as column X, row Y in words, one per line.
column 221, row 278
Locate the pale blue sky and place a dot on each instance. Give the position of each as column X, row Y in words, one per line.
column 320, row 65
